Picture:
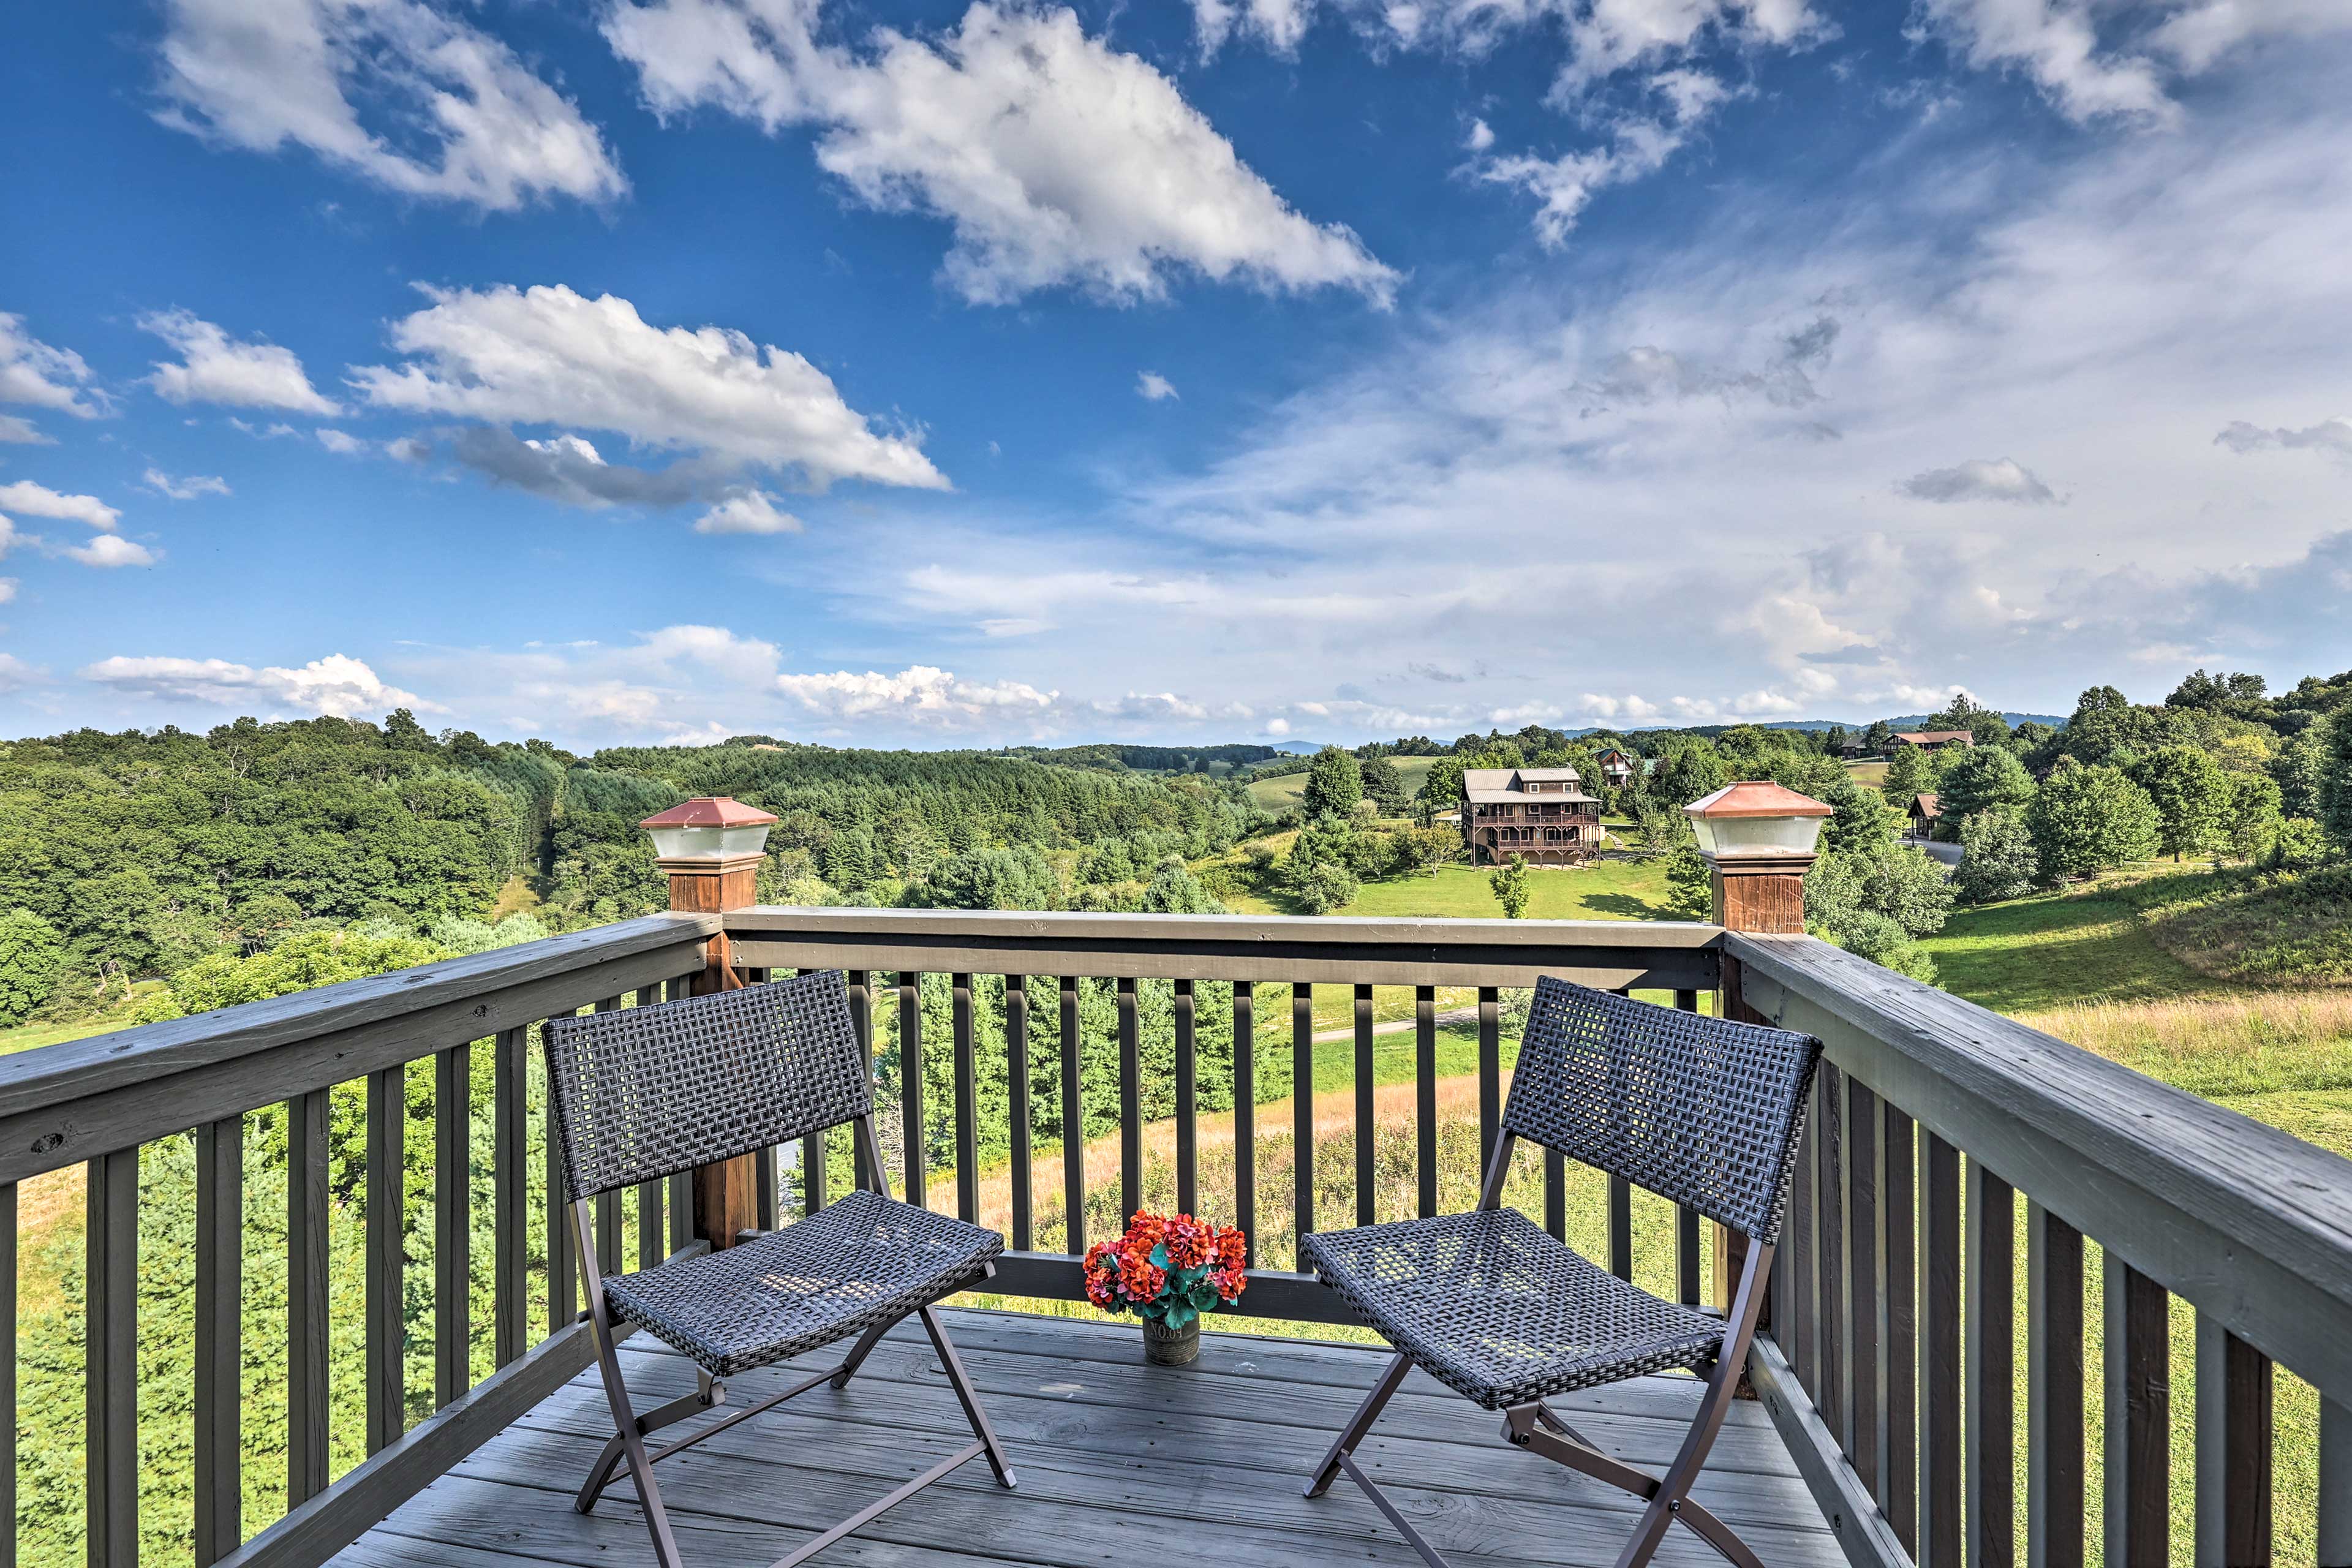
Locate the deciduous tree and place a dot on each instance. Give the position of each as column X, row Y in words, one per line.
column 1335, row 782
column 2085, row 819
column 2192, row 798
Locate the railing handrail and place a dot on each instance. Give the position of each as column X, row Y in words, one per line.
column 65, row 1103
column 1654, row 954
column 2249, row 1224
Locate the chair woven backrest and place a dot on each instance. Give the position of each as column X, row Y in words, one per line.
column 1702, row 1110
column 644, row 1092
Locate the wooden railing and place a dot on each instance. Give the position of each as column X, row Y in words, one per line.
column 1887, row 1367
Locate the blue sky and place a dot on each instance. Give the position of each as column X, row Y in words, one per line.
column 1245, row 368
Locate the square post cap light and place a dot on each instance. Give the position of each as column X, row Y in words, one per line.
column 1757, row 820
column 709, row 830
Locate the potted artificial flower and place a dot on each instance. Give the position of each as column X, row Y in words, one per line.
column 1167, row 1269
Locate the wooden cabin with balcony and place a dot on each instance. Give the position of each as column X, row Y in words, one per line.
column 1541, row 815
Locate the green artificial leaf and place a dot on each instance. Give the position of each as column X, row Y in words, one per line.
column 1159, row 1256
column 1155, row 1311
column 1203, row 1295
column 1181, row 1315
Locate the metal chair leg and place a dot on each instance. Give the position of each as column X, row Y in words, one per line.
column 708, row 1394
column 968, row 1397
column 1358, row 1424
column 861, row 1350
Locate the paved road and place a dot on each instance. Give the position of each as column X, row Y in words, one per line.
column 1401, row 1025
column 1949, row 854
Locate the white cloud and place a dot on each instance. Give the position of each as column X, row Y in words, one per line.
column 547, row 356
column 108, row 549
column 337, row 686
column 14, row 673
column 340, row 442
column 1057, row 159
column 187, row 488
column 39, row 500
column 217, row 368
column 1639, row 145
column 1152, row 387
column 1279, row 24
column 754, row 512
column 1481, row 137
column 920, row 694
column 1980, row 478
column 7, row 589
column 461, row 116
column 36, row 375
column 2327, row 435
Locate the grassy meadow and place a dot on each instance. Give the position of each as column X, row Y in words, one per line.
column 1284, row 792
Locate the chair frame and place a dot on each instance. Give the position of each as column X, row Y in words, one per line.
column 627, row 1453
column 1535, row 1427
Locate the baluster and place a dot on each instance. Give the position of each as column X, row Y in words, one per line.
column 1688, row 1284
column 306, row 1297
column 1016, row 1072
column 1490, row 1071
column 1621, row 1199
column 509, row 1227
column 2138, row 1442
column 1991, row 1370
column 651, row 1249
column 1940, row 1447
column 1365, row 1210
column 453, row 1223
column 1188, row 1106
column 2234, row 1451
column 812, row 1161
column 2054, row 1391
column 220, row 1351
column 387, row 1291
column 1804, row 1278
column 680, row 1200
column 767, row 1212
column 2335, row 1482
column 1863, row 1425
column 1073, row 1127
column 861, row 1023
column 112, row 1381
column 1246, row 1116
column 967, row 1104
column 1829, row 1248
column 1130, row 1102
column 1302, row 1114
column 8, row 1378
column 910, row 1084
column 562, row 1284
column 1898, row 1335
column 1424, row 1099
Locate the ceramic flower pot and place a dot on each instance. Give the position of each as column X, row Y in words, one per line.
column 1164, row 1346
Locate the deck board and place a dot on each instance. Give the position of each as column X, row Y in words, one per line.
column 1114, row 1459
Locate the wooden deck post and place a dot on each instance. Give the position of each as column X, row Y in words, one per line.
column 712, row 853
column 1748, row 833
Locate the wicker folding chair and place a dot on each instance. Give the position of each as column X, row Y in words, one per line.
column 647, row 1092
column 1702, row 1110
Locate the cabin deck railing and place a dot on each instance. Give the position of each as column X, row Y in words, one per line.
column 1887, row 1367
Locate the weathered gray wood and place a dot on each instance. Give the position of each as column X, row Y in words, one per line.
column 1607, row 954
column 1188, row 1104
column 910, row 1085
column 1863, row 1533
column 387, row 1256
column 2251, row 1225
column 1130, row 1101
column 220, row 1359
column 111, row 1383
column 1302, row 1110
column 2334, row 1484
column 967, row 1103
column 8, row 1374
column 1245, row 1117
column 1942, row 1405
column 1425, row 1101
column 453, row 1223
column 1865, row 1406
column 2234, row 1451
column 1272, row 1293
column 306, row 1297
column 1990, row 1397
column 1898, row 1325
column 510, row 1217
column 2054, row 1391
column 1365, row 1211
column 60, row 1105
column 1490, row 1071
column 1016, row 1072
column 1073, row 1125
column 2138, row 1438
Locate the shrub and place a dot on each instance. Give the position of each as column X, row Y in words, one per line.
column 2085, row 819
column 1996, row 858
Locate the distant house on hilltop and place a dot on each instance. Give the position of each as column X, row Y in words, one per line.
column 1541, row 815
column 1933, row 739
column 1617, row 766
column 1925, row 812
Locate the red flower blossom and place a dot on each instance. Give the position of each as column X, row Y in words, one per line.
column 1138, row 1281
column 1232, row 1247
column 1144, row 1232
column 1190, row 1243
column 1228, row 1283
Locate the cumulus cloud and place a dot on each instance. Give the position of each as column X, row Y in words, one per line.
column 33, row 374
column 547, row 356
column 187, row 488
column 109, row 550
column 1057, row 159
column 1278, row 24
column 1980, row 478
column 217, row 368
column 342, row 443
column 920, row 694
column 337, row 686
column 1152, row 387
column 2328, row 435
column 30, row 500
column 752, row 511
column 399, row 92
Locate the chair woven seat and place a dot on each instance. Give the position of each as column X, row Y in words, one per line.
column 1500, row 1312
column 864, row 1259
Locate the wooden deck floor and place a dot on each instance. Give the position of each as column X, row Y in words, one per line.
column 1119, row 1464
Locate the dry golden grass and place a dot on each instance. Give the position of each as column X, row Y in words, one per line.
column 2220, row 1047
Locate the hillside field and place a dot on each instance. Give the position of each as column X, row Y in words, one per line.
column 1284, row 792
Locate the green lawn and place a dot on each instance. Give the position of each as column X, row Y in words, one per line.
column 2054, row 949
column 1607, row 890
column 1282, row 794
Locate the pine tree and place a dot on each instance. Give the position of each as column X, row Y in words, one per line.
column 1509, row 883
